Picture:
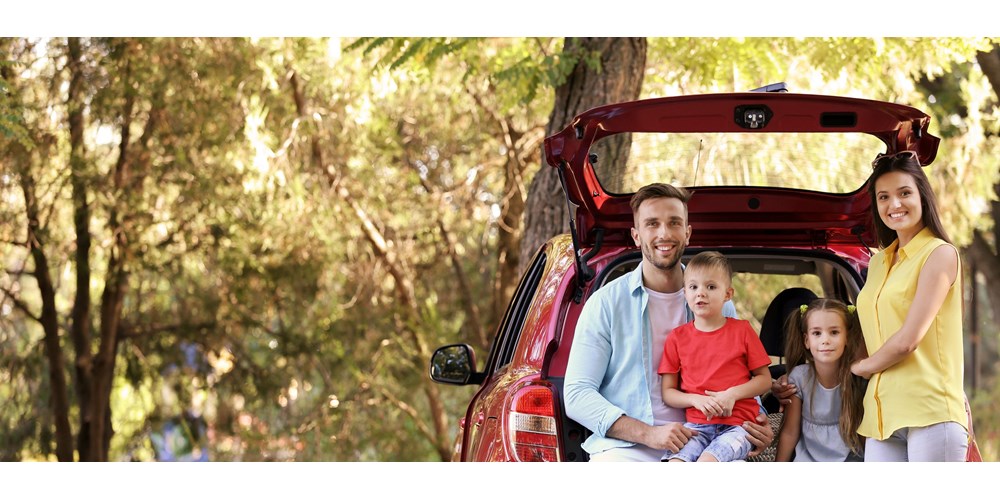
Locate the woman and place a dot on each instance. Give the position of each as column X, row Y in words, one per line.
column 911, row 315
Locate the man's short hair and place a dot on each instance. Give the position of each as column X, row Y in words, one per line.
column 659, row 190
column 711, row 260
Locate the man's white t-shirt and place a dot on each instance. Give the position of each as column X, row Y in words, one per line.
column 666, row 312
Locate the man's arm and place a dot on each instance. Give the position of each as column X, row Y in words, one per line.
column 585, row 370
column 585, row 404
column 759, row 433
column 729, row 310
column 671, row 436
column 783, row 390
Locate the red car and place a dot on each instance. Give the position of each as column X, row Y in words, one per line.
column 778, row 186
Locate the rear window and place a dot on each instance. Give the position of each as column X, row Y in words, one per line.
column 827, row 162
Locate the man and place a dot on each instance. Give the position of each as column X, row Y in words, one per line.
column 611, row 386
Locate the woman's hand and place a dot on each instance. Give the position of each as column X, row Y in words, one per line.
column 859, row 370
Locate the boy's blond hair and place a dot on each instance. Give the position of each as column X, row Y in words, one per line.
column 711, row 260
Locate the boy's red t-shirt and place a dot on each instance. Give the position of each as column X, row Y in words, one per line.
column 715, row 361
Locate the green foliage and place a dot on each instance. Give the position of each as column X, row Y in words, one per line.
column 11, row 121
column 22, row 388
column 397, row 52
column 518, row 68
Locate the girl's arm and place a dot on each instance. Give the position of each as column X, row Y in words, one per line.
column 936, row 278
column 791, row 428
column 679, row 399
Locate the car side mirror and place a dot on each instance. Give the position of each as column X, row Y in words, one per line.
column 455, row 364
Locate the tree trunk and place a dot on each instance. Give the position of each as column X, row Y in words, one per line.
column 22, row 160
column 130, row 171
column 990, row 263
column 99, row 411
column 49, row 317
column 989, row 62
column 112, row 301
column 80, row 315
column 982, row 257
column 619, row 78
column 508, row 241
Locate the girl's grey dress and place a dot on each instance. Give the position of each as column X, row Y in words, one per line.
column 820, row 439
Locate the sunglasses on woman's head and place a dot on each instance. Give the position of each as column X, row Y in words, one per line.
column 905, row 154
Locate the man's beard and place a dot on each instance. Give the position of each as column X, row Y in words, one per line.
column 649, row 252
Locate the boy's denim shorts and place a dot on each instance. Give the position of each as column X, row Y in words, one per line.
column 727, row 443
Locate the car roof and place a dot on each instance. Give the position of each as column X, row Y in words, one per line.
column 739, row 215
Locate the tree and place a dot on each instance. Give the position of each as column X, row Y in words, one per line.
column 983, row 256
column 606, row 70
column 143, row 103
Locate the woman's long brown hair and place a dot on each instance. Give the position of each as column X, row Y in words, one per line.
column 852, row 387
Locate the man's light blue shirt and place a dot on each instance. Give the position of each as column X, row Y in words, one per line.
column 609, row 365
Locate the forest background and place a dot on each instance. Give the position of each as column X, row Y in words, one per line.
column 245, row 249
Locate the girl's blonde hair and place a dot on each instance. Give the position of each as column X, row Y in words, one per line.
column 852, row 386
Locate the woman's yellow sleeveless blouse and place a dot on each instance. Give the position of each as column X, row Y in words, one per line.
column 926, row 387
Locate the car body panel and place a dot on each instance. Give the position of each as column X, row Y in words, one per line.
column 488, row 408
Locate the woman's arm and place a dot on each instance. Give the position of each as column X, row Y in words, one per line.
column 936, row 278
column 791, row 428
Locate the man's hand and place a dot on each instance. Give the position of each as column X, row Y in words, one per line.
column 672, row 436
column 725, row 400
column 708, row 405
column 759, row 434
column 782, row 390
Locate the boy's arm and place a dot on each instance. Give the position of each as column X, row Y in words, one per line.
column 679, row 399
column 759, row 384
column 671, row 394
column 791, row 428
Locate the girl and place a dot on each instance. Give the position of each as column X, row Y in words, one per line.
column 911, row 316
column 821, row 422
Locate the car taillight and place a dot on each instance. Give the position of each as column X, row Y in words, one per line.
column 532, row 425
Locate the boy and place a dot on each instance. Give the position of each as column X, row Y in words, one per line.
column 720, row 363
